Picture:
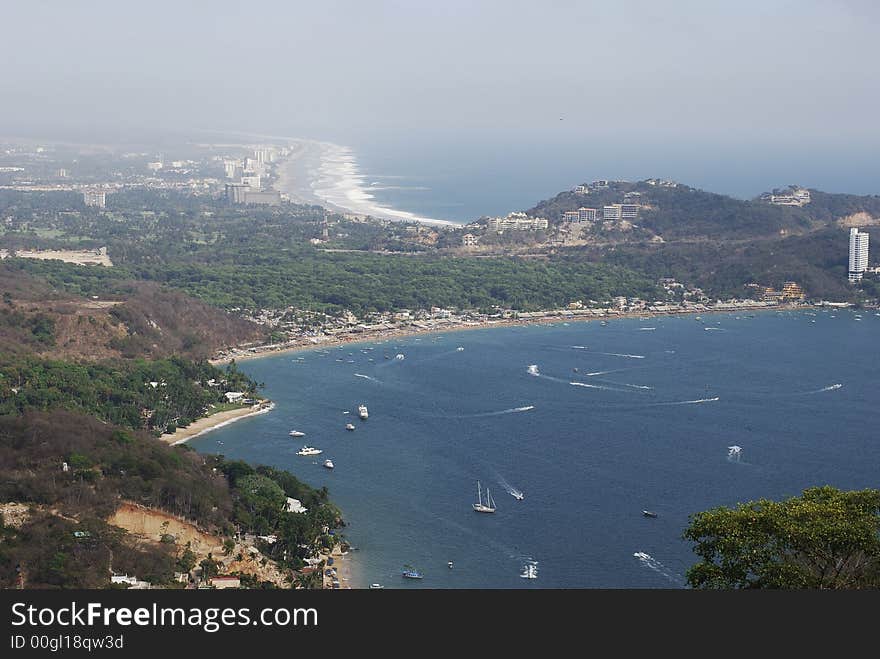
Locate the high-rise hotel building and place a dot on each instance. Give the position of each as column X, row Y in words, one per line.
column 858, row 254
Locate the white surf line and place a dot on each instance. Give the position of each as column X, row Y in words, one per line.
column 339, row 182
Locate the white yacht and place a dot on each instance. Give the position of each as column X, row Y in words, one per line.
column 328, row 463
column 309, row 450
column 362, row 412
column 349, row 426
column 296, row 433
column 480, row 507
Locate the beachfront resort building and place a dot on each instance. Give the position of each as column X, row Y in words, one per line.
column 586, row 214
column 611, row 212
column 517, row 221
column 858, row 254
column 580, row 215
column 620, row 212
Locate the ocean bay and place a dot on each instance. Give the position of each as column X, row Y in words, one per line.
column 644, row 422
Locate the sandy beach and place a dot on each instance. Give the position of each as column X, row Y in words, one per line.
column 341, row 567
column 328, row 174
column 404, row 332
column 214, row 421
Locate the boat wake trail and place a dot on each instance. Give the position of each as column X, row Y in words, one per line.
column 512, row 410
column 627, row 384
column 620, row 354
column 367, row 377
column 831, row 387
column 690, row 402
column 653, row 564
column 510, row 489
column 597, row 386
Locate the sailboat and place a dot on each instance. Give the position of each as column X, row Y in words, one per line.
column 480, row 507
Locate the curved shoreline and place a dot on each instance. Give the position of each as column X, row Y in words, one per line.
column 208, row 423
column 328, row 174
column 405, row 332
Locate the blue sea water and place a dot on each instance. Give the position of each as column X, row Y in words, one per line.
column 650, row 431
column 463, row 177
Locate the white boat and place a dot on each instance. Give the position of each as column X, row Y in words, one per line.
column 362, row 412
column 349, row 426
column 516, row 494
column 328, row 463
column 296, row 433
column 530, row 571
column 480, row 507
column 309, row 450
column 376, row 586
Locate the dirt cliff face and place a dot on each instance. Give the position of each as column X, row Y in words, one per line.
column 857, row 220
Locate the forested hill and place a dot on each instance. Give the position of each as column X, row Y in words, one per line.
column 61, row 310
column 680, row 212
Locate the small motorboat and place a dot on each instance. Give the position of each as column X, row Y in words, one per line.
column 296, row 433
column 328, row 464
column 449, row 565
column 349, row 426
column 648, row 513
column 411, row 573
column 376, row 586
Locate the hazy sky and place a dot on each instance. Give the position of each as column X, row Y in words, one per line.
column 754, row 71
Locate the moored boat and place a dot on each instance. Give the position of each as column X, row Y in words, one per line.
column 480, row 507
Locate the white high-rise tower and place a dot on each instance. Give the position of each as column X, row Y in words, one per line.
column 858, row 254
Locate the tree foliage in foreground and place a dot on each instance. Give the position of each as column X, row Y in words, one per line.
column 824, row 539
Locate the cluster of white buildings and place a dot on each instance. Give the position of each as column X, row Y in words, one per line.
column 794, row 196
column 858, row 254
column 517, row 221
column 614, row 212
column 249, row 173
